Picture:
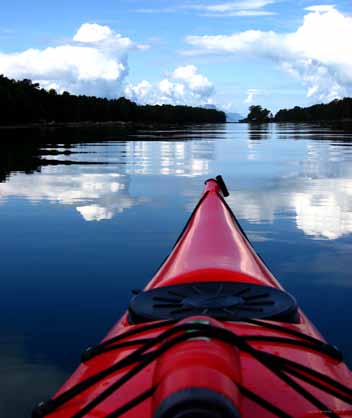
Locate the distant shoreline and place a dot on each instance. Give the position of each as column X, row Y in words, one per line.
column 87, row 124
column 337, row 111
column 149, row 125
column 24, row 103
column 103, row 124
column 311, row 122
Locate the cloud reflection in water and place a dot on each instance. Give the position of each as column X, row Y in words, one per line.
column 101, row 192
column 305, row 179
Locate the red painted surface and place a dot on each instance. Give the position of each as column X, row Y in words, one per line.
column 206, row 364
column 211, row 248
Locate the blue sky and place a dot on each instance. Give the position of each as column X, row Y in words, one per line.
column 228, row 53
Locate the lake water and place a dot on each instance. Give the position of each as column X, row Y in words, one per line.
column 83, row 224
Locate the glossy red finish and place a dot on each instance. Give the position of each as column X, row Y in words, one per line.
column 196, row 363
column 211, row 248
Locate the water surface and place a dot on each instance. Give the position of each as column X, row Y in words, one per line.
column 84, row 222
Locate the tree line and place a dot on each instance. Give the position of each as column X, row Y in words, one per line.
column 337, row 110
column 24, row 102
column 333, row 111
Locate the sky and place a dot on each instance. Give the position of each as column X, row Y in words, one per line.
column 230, row 54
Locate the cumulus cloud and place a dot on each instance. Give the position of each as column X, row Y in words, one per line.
column 139, row 92
column 91, row 32
column 94, row 62
column 185, row 85
column 319, row 53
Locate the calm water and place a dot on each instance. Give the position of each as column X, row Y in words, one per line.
column 83, row 224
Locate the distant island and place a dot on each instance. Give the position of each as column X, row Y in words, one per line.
column 24, row 102
column 233, row 117
column 337, row 110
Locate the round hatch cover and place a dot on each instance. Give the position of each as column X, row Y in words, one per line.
column 221, row 300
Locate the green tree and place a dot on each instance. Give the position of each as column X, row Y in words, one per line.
column 258, row 114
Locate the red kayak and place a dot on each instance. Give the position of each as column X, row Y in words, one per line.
column 213, row 335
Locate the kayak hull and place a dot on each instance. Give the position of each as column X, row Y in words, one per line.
column 212, row 245
column 221, row 366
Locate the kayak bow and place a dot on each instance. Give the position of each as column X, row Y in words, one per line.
column 213, row 335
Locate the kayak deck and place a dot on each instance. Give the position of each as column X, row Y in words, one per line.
column 212, row 245
column 213, row 332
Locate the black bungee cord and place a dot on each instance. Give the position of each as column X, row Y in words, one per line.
column 281, row 367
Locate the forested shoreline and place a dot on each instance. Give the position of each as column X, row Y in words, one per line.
column 24, row 102
column 336, row 110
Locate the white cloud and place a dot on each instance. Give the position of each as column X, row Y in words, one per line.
column 185, row 85
column 96, row 196
column 140, row 90
column 234, row 8
column 320, row 8
column 236, row 5
column 106, row 39
column 197, row 83
column 251, row 94
column 319, row 53
column 314, row 197
column 244, row 13
column 91, row 32
column 326, row 213
column 95, row 213
column 238, row 42
column 322, row 208
column 166, row 87
column 95, row 62
column 112, row 208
